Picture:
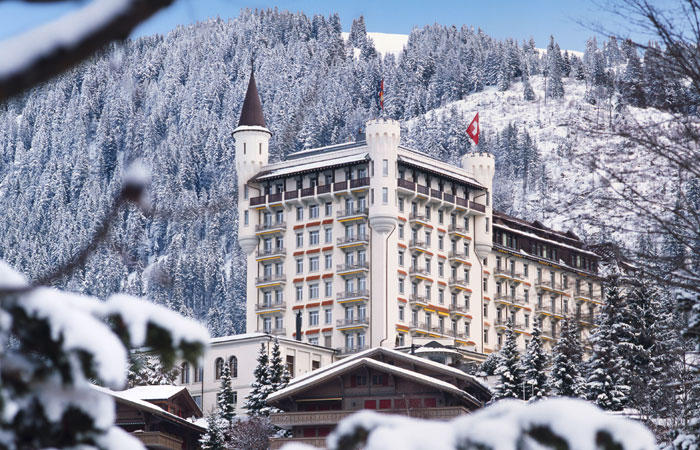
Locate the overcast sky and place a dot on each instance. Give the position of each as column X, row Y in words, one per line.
column 519, row 19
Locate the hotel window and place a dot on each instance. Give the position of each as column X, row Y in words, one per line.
column 486, row 310
column 486, row 336
column 427, row 292
column 427, row 212
column 441, row 216
column 466, row 276
column 441, row 269
column 427, row 238
column 313, row 291
column 245, row 217
column 526, row 296
column 400, row 231
column 427, row 265
column 329, row 288
column 313, row 318
column 441, row 243
column 527, row 320
column 466, row 248
column 245, row 187
column 300, row 240
column 401, row 285
column 279, row 242
column 313, row 237
column 466, row 223
column 300, row 213
column 313, row 340
column 414, row 317
column 218, row 368
column 279, row 296
column 385, row 167
column 402, row 339
column 526, row 270
column 329, row 235
column 279, row 216
column 466, row 301
column 401, row 255
column 329, row 209
column 279, row 322
column 313, row 264
column 487, row 224
column 385, row 195
column 328, row 314
column 466, row 329
column 185, row 373
column 299, row 292
column 486, row 284
column 441, row 296
column 401, row 204
column 401, row 312
column 300, row 265
column 329, row 260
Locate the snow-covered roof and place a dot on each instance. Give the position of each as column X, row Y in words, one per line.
column 417, row 360
column 373, row 363
column 155, row 392
column 543, row 239
column 326, row 149
column 150, row 407
column 431, row 164
column 313, row 164
column 256, row 335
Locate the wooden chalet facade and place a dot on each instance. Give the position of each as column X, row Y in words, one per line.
column 380, row 379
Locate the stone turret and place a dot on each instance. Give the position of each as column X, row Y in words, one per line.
column 482, row 165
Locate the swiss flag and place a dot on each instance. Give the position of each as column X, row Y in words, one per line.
column 473, row 129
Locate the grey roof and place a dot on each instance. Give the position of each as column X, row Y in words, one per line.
column 252, row 113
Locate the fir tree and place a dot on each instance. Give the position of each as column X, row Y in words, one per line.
column 148, row 370
column 534, row 365
column 490, row 364
column 256, row 401
column 508, row 370
column 227, row 407
column 278, row 375
column 528, row 92
column 566, row 379
column 606, row 369
column 214, row 437
column 555, row 87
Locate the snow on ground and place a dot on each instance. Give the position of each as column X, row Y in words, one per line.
column 386, row 43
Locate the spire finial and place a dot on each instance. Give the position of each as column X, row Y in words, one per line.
column 252, row 113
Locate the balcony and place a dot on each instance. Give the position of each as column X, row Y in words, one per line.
column 415, row 325
column 360, row 294
column 270, row 253
column 462, row 203
column 353, row 241
column 353, row 214
column 272, row 279
column 293, row 419
column 456, row 282
column 456, row 229
column 418, row 219
column 405, row 185
column 351, row 350
column 418, row 272
column 582, row 296
column 549, row 335
column 359, row 183
column 270, row 307
column 324, row 190
column 548, row 310
column 353, row 268
column 416, row 245
column 457, row 257
column 504, row 322
column 273, row 331
column 549, row 285
column 510, row 275
column 271, row 227
column 420, row 300
column 455, row 308
column 478, row 207
column 355, row 322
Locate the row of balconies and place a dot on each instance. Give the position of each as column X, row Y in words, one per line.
column 321, row 190
column 436, row 329
column 435, row 195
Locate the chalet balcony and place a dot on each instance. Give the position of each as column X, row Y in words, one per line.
column 325, row 190
column 420, row 300
column 270, row 307
column 271, row 227
column 263, row 280
column 478, row 207
column 510, row 275
column 293, row 419
column 360, row 294
column 353, row 214
column 359, row 183
column 416, row 245
column 159, row 439
column 353, row 268
column 355, row 322
column 406, row 186
column 270, row 253
column 353, row 241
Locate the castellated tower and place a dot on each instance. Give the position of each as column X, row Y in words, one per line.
column 482, row 165
column 383, row 138
column 252, row 149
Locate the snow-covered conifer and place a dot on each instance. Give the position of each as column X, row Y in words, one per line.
column 225, row 403
column 534, row 368
column 278, row 375
column 215, row 436
column 566, row 379
column 256, row 401
column 508, row 370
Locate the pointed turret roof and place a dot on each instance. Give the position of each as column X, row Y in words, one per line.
column 252, row 114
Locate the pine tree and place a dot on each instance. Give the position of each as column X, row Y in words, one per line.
column 278, row 375
column 227, row 407
column 606, row 369
column 534, row 365
column 256, row 401
column 528, row 92
column 508, row 370
column 148, row 370
column 555, row 87
column 566, row 379
column 214, row 438
column 489, row 366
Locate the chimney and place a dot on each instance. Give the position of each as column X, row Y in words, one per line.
column 298, row 325
column 360, row 136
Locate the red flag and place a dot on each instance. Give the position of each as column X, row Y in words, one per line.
column 381, row 95
column 473, row 129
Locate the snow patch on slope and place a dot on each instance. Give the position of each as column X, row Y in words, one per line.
column 386, row 43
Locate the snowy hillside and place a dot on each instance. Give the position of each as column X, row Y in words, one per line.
column 385, row 43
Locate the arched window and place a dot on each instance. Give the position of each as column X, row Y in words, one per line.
column 198, row 373
column 218, row 368
column 185, row 373
column 233, row 365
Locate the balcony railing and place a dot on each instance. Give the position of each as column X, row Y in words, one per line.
column 353, row 212
column 454, row 307
column 269, row 278
column 456, row 229
column 255, row 201
column 462, row 202
column 273, row 331
column 355, row 321
column 307, row 192
column 505, row 321
column 289, row 195
column 360, row 182
column 509, row 273
column 425, row 190
column 457, row 282
column 417, row 271
column 434, row 193
column 457, row 255
column 415, row 243
column 270, row 226
column 549, row 284
column 270, row 252
column 477, row 207
column 340, row 186
column 410, row 185
column 350, row 350
column 551, row 309
column 415, row 298
column 354, row 266
column 323, row 189
column 353, row 239
column 438, row 195
column 418, row 217
column 360, row 293
column 288, row 419
column 271, row 305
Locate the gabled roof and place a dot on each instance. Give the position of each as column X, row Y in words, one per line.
column 252, row 113
column 297, row 387
column 375, row 352
column 155, row 392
